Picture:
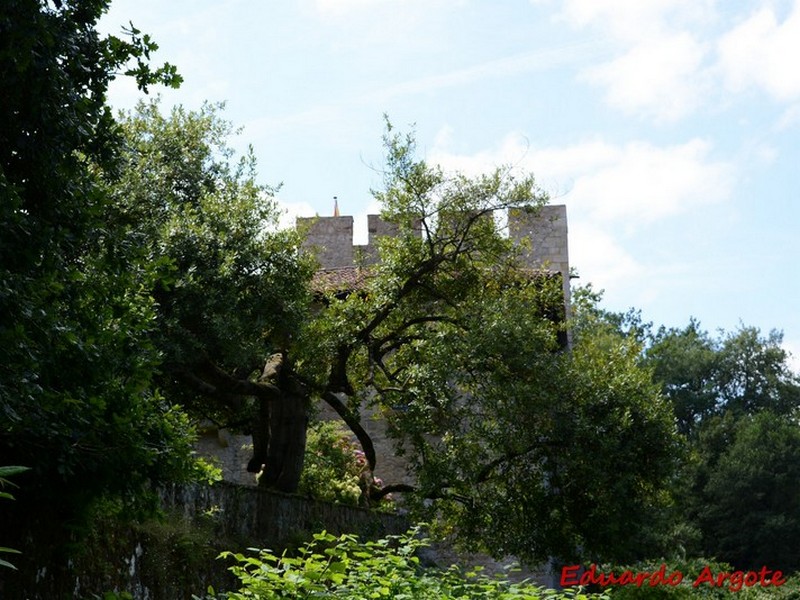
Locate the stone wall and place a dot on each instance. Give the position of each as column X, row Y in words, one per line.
column 174, row 558
column 229, row 451
column 543, row 234
column 264, row 518
column 542, row 230
column 331, row 239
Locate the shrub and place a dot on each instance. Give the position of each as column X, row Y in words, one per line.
column 344, row 567
column 335, row 468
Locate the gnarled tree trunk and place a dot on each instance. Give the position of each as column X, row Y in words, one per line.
column 279, row 442
column 279, row 435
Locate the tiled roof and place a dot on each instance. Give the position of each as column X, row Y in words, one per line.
column 347, row 279
column 340, row 279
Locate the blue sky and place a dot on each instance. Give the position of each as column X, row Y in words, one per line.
column 669, row 128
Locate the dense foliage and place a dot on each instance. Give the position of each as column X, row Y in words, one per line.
column 5, row 473
column 232, row 289
column 344, row 567
column 735, row 399
column 335, row 469
column 77, row 402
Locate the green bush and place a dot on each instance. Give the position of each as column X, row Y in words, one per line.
column 344, row 567
column 332, row 470
column 336, row 469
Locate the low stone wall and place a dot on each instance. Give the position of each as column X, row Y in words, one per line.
column 264, row 518
column 175, row 557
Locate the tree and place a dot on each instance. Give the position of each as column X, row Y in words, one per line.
column 77, row 403
column 748, row 507
column 455, row 343
column 734, row 398
column 449, row 338
column 741, row 372
column 753, row 373
column 684, row 361
column 232, row 290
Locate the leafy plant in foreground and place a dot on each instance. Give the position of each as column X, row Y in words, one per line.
column 344, row 567
column 4, row 473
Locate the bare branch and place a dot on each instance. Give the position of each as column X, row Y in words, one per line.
column 353, row 422
column 377, row 494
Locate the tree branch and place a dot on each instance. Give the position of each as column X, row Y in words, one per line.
column 354, row 424
column 377, row 494
column 486, row 471
column 219, row 379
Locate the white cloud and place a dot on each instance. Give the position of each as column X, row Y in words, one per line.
column 660, row 77
column 600, row 258
column 644, row 183
column 614, row 193
column 793, row 347
column 636, row 20
column 658, row 70
column 762, row 52
column 632, row 184
column 291, row 210
column 360, row 231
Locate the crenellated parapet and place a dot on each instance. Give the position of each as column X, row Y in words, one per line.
column 540, row 231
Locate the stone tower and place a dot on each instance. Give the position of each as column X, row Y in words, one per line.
column 542, row 232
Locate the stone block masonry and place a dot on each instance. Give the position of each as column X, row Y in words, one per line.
column 544, row 235
column 541, row 232
column 331, row 238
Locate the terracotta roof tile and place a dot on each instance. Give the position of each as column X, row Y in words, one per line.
column 341, row 279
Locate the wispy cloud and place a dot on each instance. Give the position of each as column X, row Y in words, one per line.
column 290, row 210
column 600, row 258
column 762, row 52
column 615, row 195
column 660, row 77
column 634, row 21
column 660, row 68
column 633, row 183
column 645, row 183
column 548, row 58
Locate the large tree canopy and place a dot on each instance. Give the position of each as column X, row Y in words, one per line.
column 516, row 444
column 449, row 337
column 740, row 372
column 76, row 363
column 735, row 398
column 78, row 402
column 748, row 508
column 232, row 290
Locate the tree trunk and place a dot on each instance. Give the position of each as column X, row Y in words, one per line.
column 279, row 442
